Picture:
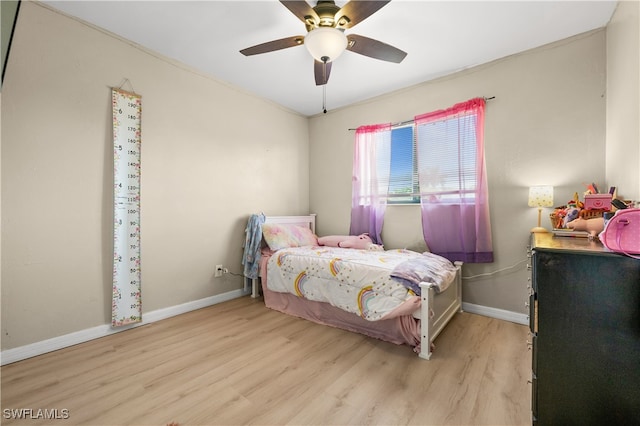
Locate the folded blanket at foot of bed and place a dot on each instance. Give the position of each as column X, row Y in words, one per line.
column 427, row 268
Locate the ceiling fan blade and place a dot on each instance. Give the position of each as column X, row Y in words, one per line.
column 358, row 11
column 270, row 46
column 301, row 9
column 374, row 49
column 321, row 71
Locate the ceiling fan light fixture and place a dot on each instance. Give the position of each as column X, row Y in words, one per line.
column 325, row 42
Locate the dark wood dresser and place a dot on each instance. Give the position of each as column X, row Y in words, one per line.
column 585, row 325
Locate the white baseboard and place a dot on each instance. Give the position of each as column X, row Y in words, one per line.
column 23, row 352
column 487, row 311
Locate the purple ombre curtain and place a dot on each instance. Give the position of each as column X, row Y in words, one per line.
column 454, row 197
column 370, row 180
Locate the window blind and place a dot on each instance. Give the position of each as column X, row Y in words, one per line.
column 447, row 158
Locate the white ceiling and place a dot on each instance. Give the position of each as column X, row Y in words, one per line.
column 440, row 37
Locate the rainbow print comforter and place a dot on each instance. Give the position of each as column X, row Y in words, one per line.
column 356, row 281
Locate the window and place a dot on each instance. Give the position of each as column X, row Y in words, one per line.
column 440, row 163
column 403, row 185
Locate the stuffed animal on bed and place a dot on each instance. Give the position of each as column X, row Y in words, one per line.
column 362, row 241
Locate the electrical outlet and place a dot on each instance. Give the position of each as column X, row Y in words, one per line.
column 219, row 271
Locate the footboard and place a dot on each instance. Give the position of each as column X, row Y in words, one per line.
column 437, row 310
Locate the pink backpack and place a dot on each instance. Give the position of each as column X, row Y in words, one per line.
column 622, row 232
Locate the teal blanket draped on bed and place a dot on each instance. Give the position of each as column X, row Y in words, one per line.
column 253, row 239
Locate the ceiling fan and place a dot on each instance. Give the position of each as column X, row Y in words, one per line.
column 325, row 39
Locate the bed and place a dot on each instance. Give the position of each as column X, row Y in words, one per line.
column 408, row 309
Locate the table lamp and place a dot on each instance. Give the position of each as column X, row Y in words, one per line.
column 540, row 196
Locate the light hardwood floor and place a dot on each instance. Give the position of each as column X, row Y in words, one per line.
column 241, row 363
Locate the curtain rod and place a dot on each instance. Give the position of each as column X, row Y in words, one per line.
column 402, row 123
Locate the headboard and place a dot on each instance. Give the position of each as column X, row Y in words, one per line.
column 307, row 221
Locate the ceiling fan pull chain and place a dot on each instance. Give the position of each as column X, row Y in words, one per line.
column 324, row 86
column 324, row 98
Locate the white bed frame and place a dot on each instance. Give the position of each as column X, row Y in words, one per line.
column 436, row 309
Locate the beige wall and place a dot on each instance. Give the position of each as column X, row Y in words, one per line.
column 546, row 125
column 205, row 150
column 623, row 100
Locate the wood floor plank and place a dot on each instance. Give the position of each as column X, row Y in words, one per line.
column 241, row 363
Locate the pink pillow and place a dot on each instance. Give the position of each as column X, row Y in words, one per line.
column 279, row 236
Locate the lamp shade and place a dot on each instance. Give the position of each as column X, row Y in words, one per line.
column 541, row 196
column 325, row 42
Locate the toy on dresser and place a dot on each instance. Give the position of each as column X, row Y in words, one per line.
column 592, row 226
column 584, row 216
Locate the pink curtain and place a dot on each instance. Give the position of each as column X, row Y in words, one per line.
column 455, row 206
column 370, row 180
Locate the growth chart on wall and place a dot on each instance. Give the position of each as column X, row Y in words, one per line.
column 127, row 303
